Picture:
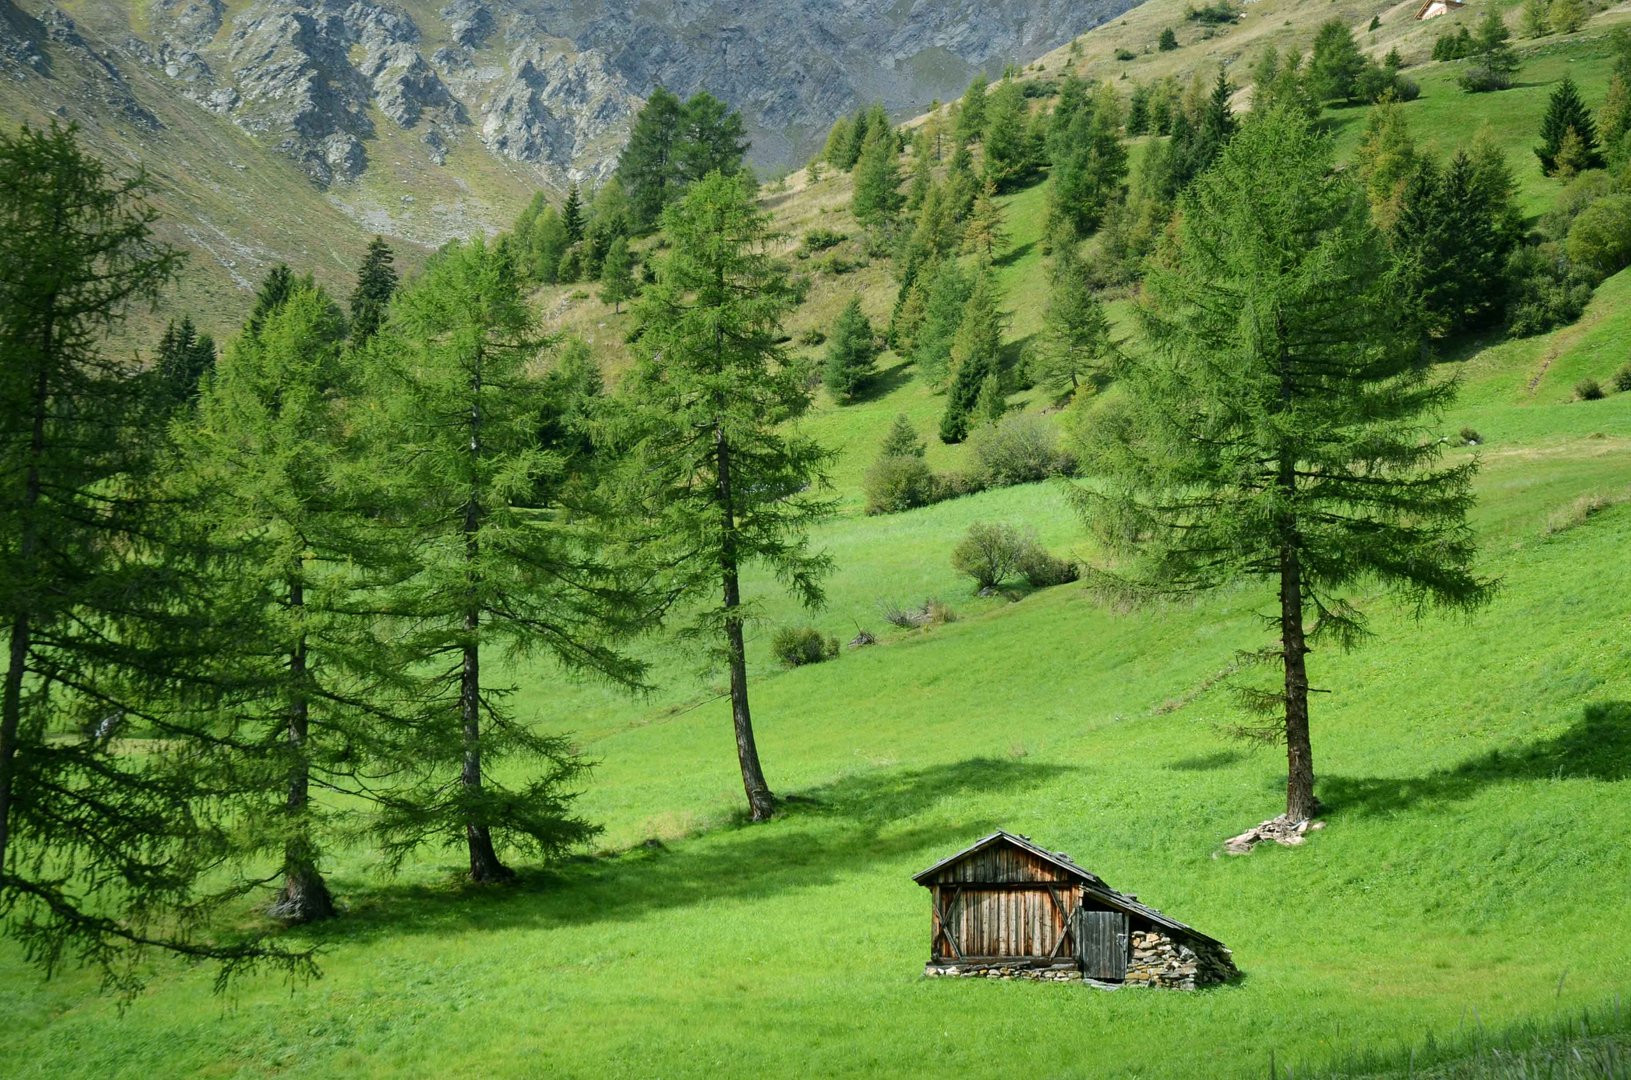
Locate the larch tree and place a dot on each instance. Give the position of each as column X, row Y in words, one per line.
column 851, row 353
column 976, row 355
column 1280, row 428
column 1011, row 157
column 1493, row 59
column 484, row 511
column 711, row 461
column 288, row 600
column 617, row 275
column 877, row 200
column 971, row 110
column 1566, row 16
column 1076, row 345
column 1335, row 63
column 945, row 294
column 1090, row 166
column 103, row 854
column 376, row 284
column 713, row 139
column 649, row 166
column 986, row 233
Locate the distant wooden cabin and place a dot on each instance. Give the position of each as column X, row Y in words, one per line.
column 1432, row 9
column 1005, row 908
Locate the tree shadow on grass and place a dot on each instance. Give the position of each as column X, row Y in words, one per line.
column 1014, row 254
column 1220, row 759
column 1012, row 354
column 822, row 834
column 885, row 382
column 1596, row 747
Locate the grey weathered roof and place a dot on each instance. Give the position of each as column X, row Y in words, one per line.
column 1092, row 885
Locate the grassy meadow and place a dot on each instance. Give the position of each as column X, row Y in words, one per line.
column 1467, row 903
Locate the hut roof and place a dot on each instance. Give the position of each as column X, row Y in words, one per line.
column 1092, row 885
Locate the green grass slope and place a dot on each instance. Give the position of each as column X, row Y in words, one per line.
column 1472, row 878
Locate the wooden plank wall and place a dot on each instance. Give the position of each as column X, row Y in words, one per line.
column 1009, row 922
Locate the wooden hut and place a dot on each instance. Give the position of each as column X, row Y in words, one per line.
column 1432, row 9
column 1005, row 908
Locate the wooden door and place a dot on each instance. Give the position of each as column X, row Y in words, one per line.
column 1102, row 944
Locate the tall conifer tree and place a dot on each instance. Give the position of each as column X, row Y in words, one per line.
column 719, row 474
column 100, row 853
column 376, row 284
column 287, row 600
column 1281, row 427
column 457, row 452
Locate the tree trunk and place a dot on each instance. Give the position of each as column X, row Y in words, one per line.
column 305, row 896
column 1300, row 801
column 761, row 801
column 484, row 863
column 22, row 628
column 485, row 866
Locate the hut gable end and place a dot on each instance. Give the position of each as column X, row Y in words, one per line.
column 1005, row 859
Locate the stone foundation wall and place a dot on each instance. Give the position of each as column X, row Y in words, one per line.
column 1064, row 971
column 1161, row 961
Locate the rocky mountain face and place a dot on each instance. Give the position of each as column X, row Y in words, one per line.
column 549, row 84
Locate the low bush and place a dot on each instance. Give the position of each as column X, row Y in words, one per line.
column 1481, row 80
column 1214, row 14
column 1021, row 448
column 1600, row 237
column 1588, row 390
column 989, row 553
column 812, row 337
column 993, row 553
column 836, row 265
column 1470, row 437
column 797, row 646
column 1043, row 571
column 822, row 239
column 1125, row 55
column 898, row 482
column 1544, row 290
column 1622, row 379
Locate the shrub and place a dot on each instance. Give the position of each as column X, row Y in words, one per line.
column 796, row 646
column 812, row 337
column 989, row 553
column 1544, row 291
column 1622, row 379
column 1600, row 237
column 1021, row 448
column 1214, row 14
column 1588, row 390
column 1470, row 437
column 1168, row 40
column 836, row 265
column 955, row 485
column 1125, row 55
column 898, row 482
column 1481, row 80
column 1042, row 570
column 822, row 239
